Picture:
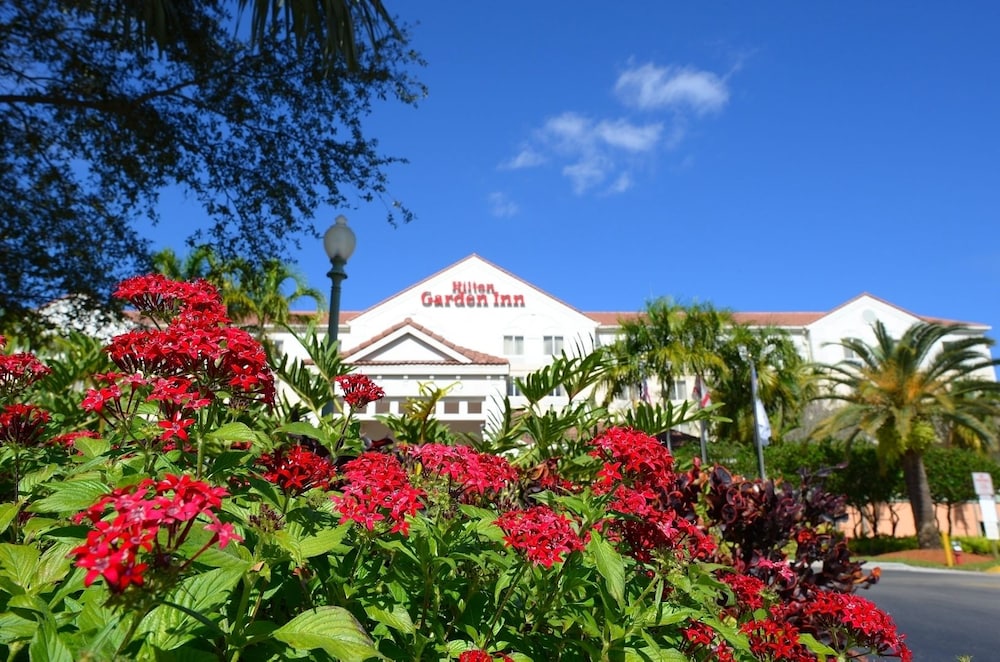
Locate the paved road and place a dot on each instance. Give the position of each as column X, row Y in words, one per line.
column 944, row 614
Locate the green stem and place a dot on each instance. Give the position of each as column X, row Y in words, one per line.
column 136, row 619
column 503, row 603
column 537, row 614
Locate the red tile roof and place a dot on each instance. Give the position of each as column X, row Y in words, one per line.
column 475, row 358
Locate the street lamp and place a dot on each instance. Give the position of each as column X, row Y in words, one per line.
column 339, row 242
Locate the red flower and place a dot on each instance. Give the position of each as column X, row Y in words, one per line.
column 377, row 488
column 150, row 517
column 859, row 621
column 297, row 469
column 543, row 535
column 175, row 427
column 22, row 425
column 18, row 371
column 477, row 655
column 472, row 472
column 359, row 390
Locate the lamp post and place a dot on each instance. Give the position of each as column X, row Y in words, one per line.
column 339, row 242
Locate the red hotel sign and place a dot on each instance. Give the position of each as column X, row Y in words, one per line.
column 470, row 294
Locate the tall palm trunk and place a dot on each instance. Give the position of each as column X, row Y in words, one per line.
column 918, row 490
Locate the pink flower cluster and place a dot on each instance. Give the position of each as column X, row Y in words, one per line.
column 359, row 390
column 540, row 533
column 377, row 487
column 154, row 517
column 296, row 469
column 18, row 371
column 471, row 472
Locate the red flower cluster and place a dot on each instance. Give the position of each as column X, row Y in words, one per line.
column 472, row 472
column 163, row 299
column 478, row 655
column 377, row 486
column 198, row 342
column 637, row 471
column 18, row 371
column 359, row 390
column 747, row 589
column 22, row 425
column 859, row 622
column 633, row 454
column 542, row 534
column 296, row 469
column 775, row 639
column 701, row 637
column 152, row 516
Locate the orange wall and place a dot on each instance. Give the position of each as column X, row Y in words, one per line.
column 965, row 520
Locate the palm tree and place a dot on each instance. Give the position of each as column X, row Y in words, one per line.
column 665, row 342
column 256, row 296
column 782, row 377
column 899, row 392
column 263, row 294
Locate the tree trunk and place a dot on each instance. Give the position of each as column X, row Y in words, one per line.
column 919, row 492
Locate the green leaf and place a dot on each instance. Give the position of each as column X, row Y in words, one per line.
column 14, row 628
column 333, row 629
column 304, row 429
column 48, row 645
column 8, row 511
column 234, row 431
column 396, row 617
column 327, row 540
column 31, row 480
column 815, row 646
column 17, row 562
column 610, row 564
column 91, row 448
column 71, row 497
column 168, row 627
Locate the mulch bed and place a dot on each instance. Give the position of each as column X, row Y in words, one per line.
column 930, row 556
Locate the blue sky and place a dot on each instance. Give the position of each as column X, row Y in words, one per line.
column 779, row 156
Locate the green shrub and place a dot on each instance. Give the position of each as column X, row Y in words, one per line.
column 875, row 545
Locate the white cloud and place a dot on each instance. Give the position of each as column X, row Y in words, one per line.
column 630, row 137
column 585, row 174
column 649, row 87
column 622, row 184
column 602, row 153
column 526, row 158
column 502, row 206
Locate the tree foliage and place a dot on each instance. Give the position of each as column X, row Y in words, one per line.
column 902, row 389
column 784, row 382
column 104, row 105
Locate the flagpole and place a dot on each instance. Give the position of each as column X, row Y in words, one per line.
column 700, row 384
column 756, row 422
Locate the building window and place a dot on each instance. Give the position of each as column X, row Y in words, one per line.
column 513, row 345
column 552, row 345
column 451, row 406
column 476, row 407
column 382, row 406
column 559, row 392
column 678, row 389
column 512, row 389
column 850, row 356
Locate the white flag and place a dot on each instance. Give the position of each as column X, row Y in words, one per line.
column 644, row 392
column 759, row 413
column 700, row 393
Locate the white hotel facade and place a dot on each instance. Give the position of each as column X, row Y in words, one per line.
column 474, row 326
